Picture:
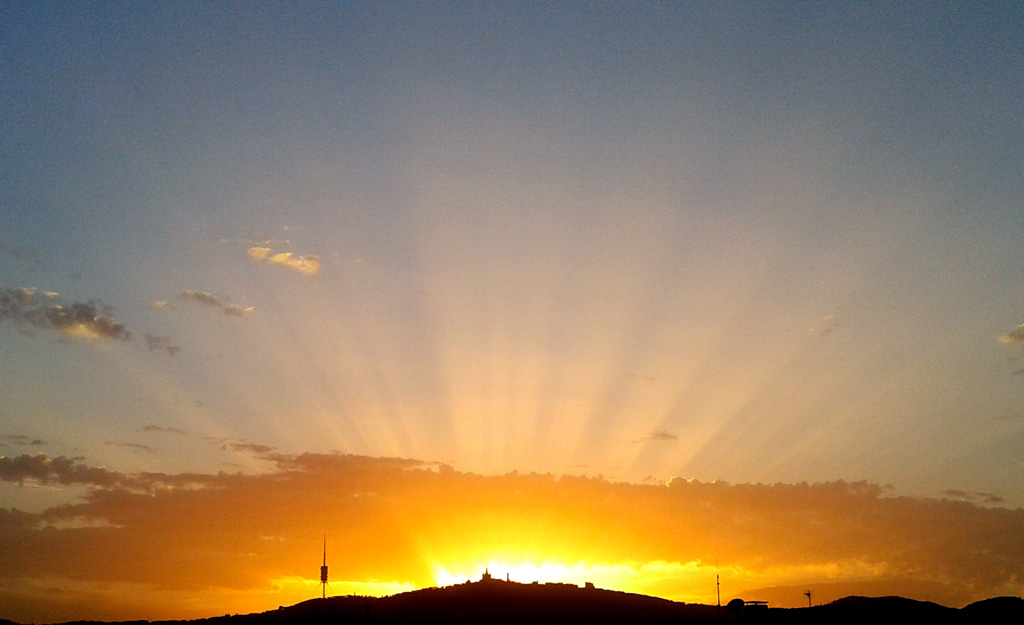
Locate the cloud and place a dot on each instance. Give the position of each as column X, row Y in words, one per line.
column 20, row 440
column 1014, row 336
column 973, row 496
column 303, row 264
column 258, row 253
column 231, row 444
column 207, row 299
column 127, row 445
column 658, row 435
column 308, row 264
column 399, row 519
column 662, row 435
column 259, row 450
column 162, row 305
column 260, row 241
column 28, row 254
column 60, row 470
column 161, row 344
column 47, row 310
column 237, row 311
column 826, row 326
column 163, row 429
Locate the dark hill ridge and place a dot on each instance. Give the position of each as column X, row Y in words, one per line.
column 507, row 603
column 495, row 602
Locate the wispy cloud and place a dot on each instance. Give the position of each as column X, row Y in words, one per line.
column 127, row 445
column 161, row 344
column 20, row 440
column 233, row 444
column 254, row 448
column 207, row 299
column 963, row 495
column 28, row 254
column 163, row 429
column 658, row 436
column 48, row 310
column 308, row 264
column 232, row 310
column 1015, row 338
column 200, row 297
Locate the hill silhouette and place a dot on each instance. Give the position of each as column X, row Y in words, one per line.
column 495, row 602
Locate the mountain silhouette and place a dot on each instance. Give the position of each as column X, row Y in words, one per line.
column 495, row 602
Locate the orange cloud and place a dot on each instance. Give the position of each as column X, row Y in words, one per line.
column 1014, row 336
column 250, row 540
column 308, row 264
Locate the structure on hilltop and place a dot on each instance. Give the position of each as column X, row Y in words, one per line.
column 323, row 571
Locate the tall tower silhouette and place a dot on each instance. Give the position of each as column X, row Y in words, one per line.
column 323, row 571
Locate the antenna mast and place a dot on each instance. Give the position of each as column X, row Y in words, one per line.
column 323, row 571
column 718, row 588
column 718, row 591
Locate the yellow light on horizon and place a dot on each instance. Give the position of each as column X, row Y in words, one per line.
column 688, row 582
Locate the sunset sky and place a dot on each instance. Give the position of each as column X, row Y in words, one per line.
column 630, row 293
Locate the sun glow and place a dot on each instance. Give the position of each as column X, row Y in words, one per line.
column 296, row 589
column 692, row 581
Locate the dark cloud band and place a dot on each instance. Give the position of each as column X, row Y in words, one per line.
column 46, row 310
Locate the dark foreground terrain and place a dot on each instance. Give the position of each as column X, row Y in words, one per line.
column 508, row 603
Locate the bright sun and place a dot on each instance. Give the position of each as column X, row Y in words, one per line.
column 523, row 573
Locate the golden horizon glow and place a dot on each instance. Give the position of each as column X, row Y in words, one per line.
column 652, row 578
column 395, row 525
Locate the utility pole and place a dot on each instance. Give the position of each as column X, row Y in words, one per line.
column 808, row 593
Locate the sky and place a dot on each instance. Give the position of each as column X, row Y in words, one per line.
column 630, row 293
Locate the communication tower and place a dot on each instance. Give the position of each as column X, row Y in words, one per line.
column 718, row 591
column 323, row 571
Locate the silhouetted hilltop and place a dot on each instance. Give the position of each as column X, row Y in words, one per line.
column 866, row 609
column 494, row 602
column 995, row 608
column 891, row 605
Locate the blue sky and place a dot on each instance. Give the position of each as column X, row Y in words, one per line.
column 785, row 236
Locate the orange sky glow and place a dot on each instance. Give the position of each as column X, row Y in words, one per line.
column 254, row 541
